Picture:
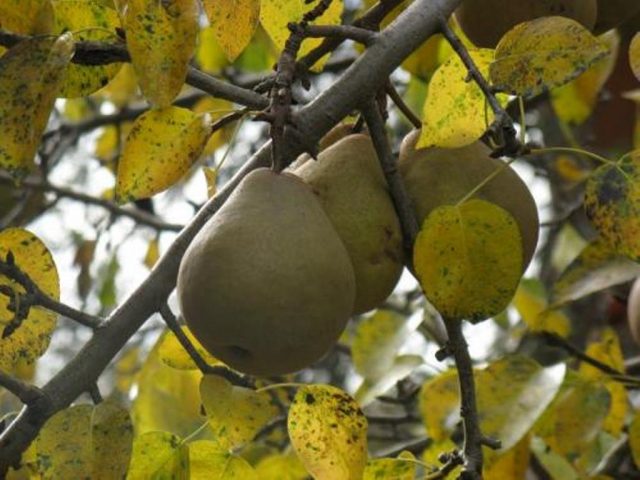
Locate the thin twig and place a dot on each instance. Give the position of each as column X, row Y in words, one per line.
column 94, row 393
column 415, row 447
column 27, row 394
column 234, row 378
column 343, row 32
column 398, row 191
column 402, row 106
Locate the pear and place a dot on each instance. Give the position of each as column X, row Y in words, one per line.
column 486, row 21
column 612, row 13
column 348, row 180
column 332, row 136
column 443, row 176
column 267, row 285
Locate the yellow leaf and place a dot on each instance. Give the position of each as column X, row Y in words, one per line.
column 399, row 368
column 531, row 304
column 455, row 112
column 31, row 74
column 573, row 420
column 439, row 405
column 608, row 351
column 216, row 107
column 207, row 461
column 90, row 19
column 161, row 40
column 153, row 253
column 209, row 54
column 544, row 53
column 328, row 432
column 161, row 147
column 159, row 455
column 211, row 177
column 431, row 455
column 173, row 354
column 86, row 442
column 167, row 398
column 122, row 89
column 557, row 466
column 126, row 368
column 31, row 338
column 513, row 463
column 468, row 259
column 275, row 15
column 566, row 165
column 634, row 55
column 233, row 22
column 281, row 467
column 612, row 201
column 28, row 17
column 401, row 468
column 574, row 102
column 634, row 439
column 424, row 61
column 235, row 414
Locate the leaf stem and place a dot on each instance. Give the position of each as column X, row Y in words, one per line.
column 579, row 151
column 488, row 178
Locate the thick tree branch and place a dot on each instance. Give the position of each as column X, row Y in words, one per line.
column 359, row 83
column 27, row 394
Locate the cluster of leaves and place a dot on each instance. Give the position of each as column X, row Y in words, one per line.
column 569, row 420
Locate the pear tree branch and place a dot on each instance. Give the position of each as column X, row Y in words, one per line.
column 356, row 85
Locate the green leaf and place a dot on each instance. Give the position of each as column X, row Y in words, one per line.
column 544, row 53
column 281, row 467
column 207, row 460
column 468, row 259
column 159, row 455
column 31, row 338
column 235, row 414
column 233, row 22
column 328, row 432
column 612, row 201
column 161, row 147
column 31, row 74
column 85, row 441
column 455, row 112
column 161, row 39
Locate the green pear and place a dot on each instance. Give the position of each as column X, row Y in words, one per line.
column 443, row 176
column 267, row 285
column 348, row 180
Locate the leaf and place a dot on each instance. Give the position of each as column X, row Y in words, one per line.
column 159, row 455
column 468, row 259
column 31, row 74
column 167, row 398
column 235, row 414
column 211, row 177
column 544, row 53
column 153, row 253
column 160, row 149
column 513, row 463
column 370, row 388
column 402, row 468
column 85, row 441
column 572, row 422
column 89, row 19
column 172, row 353
column 31, row 338
column 439, row 405
column 431, row 457
column 574, row 102
column 608, row 351
column 531, row 304
column 161, row 40
column 328, row 432
column 122, row 89
column 275, row 15
column 216, row 108
column 281, row 467
column 455, row 112
column 634, row 55
column 209, row 54
column 596, row 268
column 28, row 17
column 612, row 202
column 557, row 466
column 634, row 439
column 233, row 22
column 207, row 460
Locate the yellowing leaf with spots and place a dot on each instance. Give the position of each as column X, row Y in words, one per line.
column 513, row 463
column 455, row 112
column 574, row 102
column 275, row 15
column 161, row 38
column 572, row 422
column 612, row 202
column 28, row 17
column 634, row 439
column 439, row 405
column 544, row 53
column 285, row 466
column 172, row 353
column 86, row 442
column 235, row 414
column 596, row 268
column 328, row 432
column 608, row 351
column 216, row 107
column 31, row 74
column 159, row 455
column 468, row 259
column 161, row 147
column 233, row 22
column 402, row 468
column 634, row 55
column 531, row 304
column 92, row 21
column 207, row 461
column 31, row 338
